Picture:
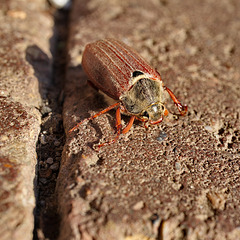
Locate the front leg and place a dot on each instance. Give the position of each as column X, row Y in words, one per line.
column 118, row 127
column 181, row 108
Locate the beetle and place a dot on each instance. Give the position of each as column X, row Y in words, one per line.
column 122, row 74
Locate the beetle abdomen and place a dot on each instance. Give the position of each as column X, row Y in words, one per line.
column 110, row 66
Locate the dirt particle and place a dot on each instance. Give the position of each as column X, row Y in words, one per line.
column 55, row 166
column 217, row 200
column 162, row 136
column 139, row 205
column 49, row 160
column 43, row 140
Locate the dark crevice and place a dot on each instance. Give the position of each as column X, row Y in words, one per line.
column 51, row 138
column 160, row 231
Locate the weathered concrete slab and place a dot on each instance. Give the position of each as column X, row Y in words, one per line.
column 25, row 32
column 179, row 180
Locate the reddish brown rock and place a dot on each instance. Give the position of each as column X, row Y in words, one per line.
column 24, row 48
column 145, row 186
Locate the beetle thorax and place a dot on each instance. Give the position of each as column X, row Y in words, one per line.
column 145, row 99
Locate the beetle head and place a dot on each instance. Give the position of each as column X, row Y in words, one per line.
column 145, row 99
column 155, row 112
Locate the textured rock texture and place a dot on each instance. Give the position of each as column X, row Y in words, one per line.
column 178, row 180
column 23, row 48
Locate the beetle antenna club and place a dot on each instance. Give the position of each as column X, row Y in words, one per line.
column 122, row 74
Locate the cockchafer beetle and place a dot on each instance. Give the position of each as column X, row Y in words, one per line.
column 122, row 74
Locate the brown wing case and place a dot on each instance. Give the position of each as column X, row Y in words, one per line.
column 110, row 65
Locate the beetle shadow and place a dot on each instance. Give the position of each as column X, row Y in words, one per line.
column 41, row 64
column 85, row 99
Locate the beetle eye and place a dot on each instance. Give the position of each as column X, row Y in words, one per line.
column 145, row 114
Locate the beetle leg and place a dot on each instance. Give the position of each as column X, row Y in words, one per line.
column 181, row 108
column 144, row 121
column 129, row 125
column 118, row 122
column 156, row 122
column 94, row 116
column 118, row 126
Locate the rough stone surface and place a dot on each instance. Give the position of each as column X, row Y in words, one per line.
column 184, row 185
column 24, row 66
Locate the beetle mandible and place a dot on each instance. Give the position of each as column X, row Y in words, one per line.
column 122, row 74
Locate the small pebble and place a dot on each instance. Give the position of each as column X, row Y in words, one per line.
column 57, row 143
column 58, row 159
column 178, row 166
column 58, row 154
column 61, row 3
column 42, row 203
column 43, row 180
column 162, row 136
column 139, row 205
column 45, row 173
column 41, row 163
column 49, row 160
column 55, row 166
column 43, row 140
column 208, row 128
